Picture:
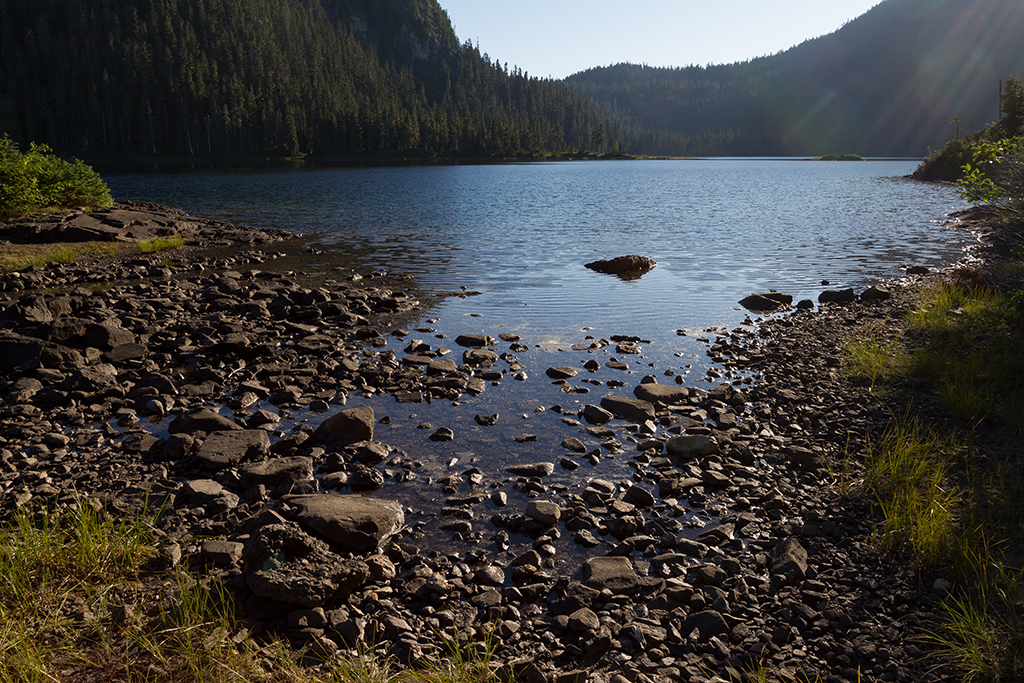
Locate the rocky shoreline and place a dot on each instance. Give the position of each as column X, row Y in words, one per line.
column 173, row 385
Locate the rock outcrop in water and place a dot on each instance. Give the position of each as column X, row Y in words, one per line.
column 626, row 267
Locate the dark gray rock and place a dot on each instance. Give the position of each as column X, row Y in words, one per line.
column 276, row 472
column 539, row 469
column 614, row 573
column 285, row 564
column 346, row 427
column 228, row 448
column 629, row 408
column 356, row 523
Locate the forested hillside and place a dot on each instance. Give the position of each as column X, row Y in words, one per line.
column 888, row 83
column 329, row 77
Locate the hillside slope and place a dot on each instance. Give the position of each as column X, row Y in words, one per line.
column 328, row 77
column 888, row 83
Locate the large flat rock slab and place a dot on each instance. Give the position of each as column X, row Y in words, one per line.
column 356, row 523
column 227, row 448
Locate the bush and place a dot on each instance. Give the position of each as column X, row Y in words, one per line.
column 38, row 180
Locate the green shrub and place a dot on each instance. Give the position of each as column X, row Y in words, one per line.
column 38, row 180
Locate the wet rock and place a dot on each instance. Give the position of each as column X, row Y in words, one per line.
column 285, row 564
column 561, row 372
column 544, row 511
column 474, row 341
column 596, row 415
column 346, row 427
column 628, row 267
column 486, row 420
column 539, row 469
column 629, row 408
column 661, row 394
column 227, row 448
column 442, row 434
column 840, row 296
column 766, row 301
column 356, row 523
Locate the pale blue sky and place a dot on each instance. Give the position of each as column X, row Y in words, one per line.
column 560, row 37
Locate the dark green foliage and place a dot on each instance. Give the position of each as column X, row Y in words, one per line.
column 961, row 156
column 281, row 77
column 38, row 180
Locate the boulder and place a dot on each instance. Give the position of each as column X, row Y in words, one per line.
column 629, row 408
column 614, row 573
column 283, row 563
column 661, row 394
column 276, row 471
column 837, row 296
column 202, row 421
column 790, row 559
column 596, row 415
column 544, row 511
column 766, row 301
column 356, row 523
column 539, row 469
column 347, row 427
column 692, row 446
column 227, row 448
column 630, row 267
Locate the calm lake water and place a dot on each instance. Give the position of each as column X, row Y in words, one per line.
column 520, row 234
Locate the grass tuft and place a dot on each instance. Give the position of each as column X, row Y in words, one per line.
column 161, row 244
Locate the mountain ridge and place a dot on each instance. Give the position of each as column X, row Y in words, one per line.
column 887, row 83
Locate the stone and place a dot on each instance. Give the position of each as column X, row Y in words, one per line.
column 766, row 301
column 356, row 523
column 596, row 415
column 474, row 341
column 573, row 444
column 228, row 448
column 107, row 336
column 283, row 563
column 614, row 573
column 790, row 559
column 544, row 511
column 831, row 296
column 202, row 421
column 276, row 471
column 346, row 427
column 708, row 624
column 629, row 408
column 539, row 469
column 661, row 394
column 876, row 293
column 222, row 553
column 688, row 446
column 561, row 372
column 628, row 267
column 584, row 619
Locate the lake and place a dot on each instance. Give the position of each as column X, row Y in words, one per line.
column 520, row 234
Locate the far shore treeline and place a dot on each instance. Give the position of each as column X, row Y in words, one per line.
column 281, row 77
column 389, row 79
